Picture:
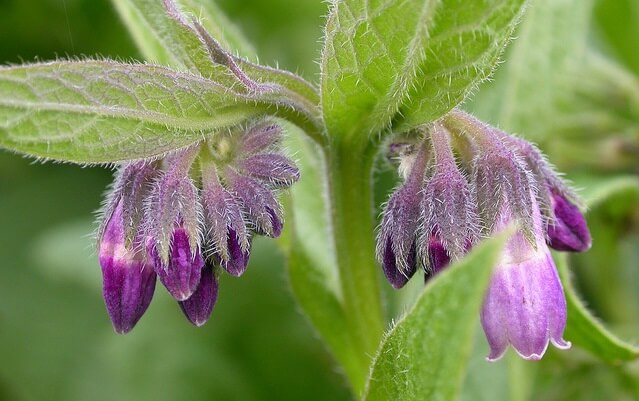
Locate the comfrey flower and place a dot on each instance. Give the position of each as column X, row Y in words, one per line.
column 397, row 239
column 525, row 304
column 180, row 218
column 468, row 180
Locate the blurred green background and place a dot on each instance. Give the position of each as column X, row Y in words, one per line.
column 56, row 342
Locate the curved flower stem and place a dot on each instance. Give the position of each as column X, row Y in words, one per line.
column 349, row 171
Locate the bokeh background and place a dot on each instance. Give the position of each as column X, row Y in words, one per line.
column 56, row 342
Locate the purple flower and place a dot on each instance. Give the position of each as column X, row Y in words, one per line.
column 438, row 255
column 128, row 280
column 397, row 238
column 450, row 224
column 261, row 209
column 566, row 226
column 199, row 306
column 227, row 234
column 510, row 181
column 181, row 275
column 568, row 230
column 260, row 138
column 172, row 228
column 525, row 304
column 271, row 168
column 166, row 219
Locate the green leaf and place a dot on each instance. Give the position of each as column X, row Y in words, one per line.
column 583, row 329
column 100, row 111
column 191, row 46
column 411, row 60
column 551, row 43
column 163, row 35
column 219, row 25
column 135, row 16
column 272, row 85
column 424, row 357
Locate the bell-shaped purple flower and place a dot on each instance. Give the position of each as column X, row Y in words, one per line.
column 568, row 230
column 199, row 306
column 397, row 238
column 165, row 219
column 500, row 177
column 128, row 279
column 525, row 304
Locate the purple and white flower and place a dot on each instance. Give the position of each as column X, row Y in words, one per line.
column 180, row 218
column 474, row 185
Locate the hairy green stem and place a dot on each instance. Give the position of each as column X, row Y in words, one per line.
column 351, row 198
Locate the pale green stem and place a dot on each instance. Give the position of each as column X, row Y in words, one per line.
column 349, row 170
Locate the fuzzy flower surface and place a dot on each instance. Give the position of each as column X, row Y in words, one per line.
column 476, row 181
column 184, row 218
column 525, row 304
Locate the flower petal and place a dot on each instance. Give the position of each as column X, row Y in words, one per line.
column 199, row 306
column 524, row 306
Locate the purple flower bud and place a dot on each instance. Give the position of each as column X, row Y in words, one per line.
column 199, row 306
column 172, row 227
column 260, row 137
column 438, row 256
column 227, row 233
column 128, row 190
column 238, row 258
column 275, row 169
column 173, row 205
column 396, row 241
column 128, row 281
column 182, row 273
column 261, row 209
column 566, row 227
column 525, row 304
column 568, row 231
column 450, row 221
column 396, row 276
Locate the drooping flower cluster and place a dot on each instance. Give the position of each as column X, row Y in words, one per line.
column 181, row 218
column 466, row 180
